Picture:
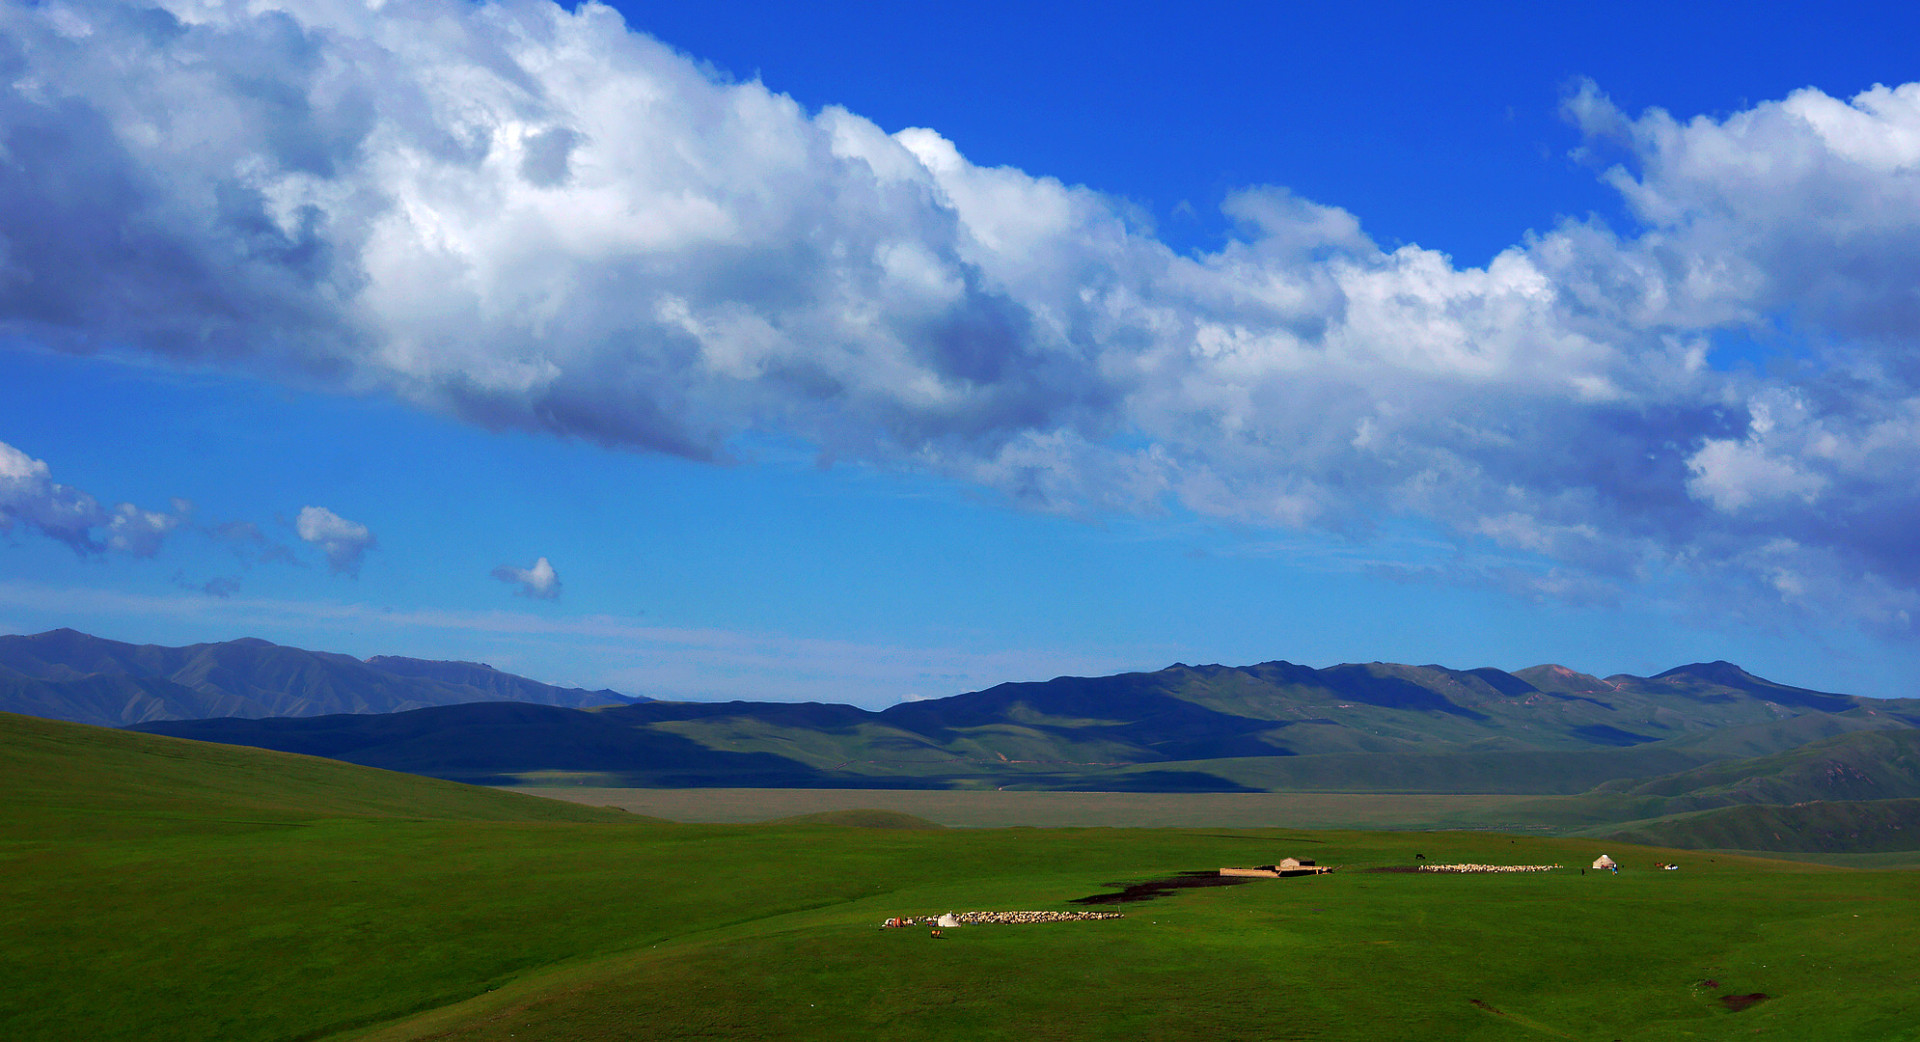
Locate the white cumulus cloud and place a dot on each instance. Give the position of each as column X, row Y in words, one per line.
column 539, row 582
column 536, row 217
column 344, row 542
column 30, row 498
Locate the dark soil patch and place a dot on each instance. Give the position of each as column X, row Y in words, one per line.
column 1489, row 1009
column 1736, row 1003
column 1131, row 892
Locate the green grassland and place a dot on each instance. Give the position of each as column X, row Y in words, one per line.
column 156, row 889
column 70, row 779
column 1885, row 831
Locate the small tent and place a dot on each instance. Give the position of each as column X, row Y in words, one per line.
column 947, row 921
column 1603, row 861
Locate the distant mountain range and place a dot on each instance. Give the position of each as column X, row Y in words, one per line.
column 1376, row 727
column 1703, row 755
column 68, row 675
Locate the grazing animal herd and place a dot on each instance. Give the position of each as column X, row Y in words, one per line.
column 995, row 918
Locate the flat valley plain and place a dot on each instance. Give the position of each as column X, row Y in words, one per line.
column 1515, row 815
column 153, row 889
column 1049, row 809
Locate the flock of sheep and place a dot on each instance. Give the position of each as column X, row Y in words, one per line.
column 1488, row 868
column 984, row 918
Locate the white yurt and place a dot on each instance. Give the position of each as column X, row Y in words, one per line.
column 1603, row 861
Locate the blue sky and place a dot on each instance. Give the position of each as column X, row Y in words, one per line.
column 854, row 354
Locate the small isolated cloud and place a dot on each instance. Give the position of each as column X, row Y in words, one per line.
column 249, row 543
column 219, row 586
column 30, row 498
column 344, row 542
column 540, row 582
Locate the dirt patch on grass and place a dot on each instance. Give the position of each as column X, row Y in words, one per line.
column 1147, row 891
column 1736, row 1003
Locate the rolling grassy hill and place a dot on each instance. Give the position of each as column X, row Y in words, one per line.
column 1862, row 765
column 61, row 777
column 155, row 889
column 1850, row 827
column 1851, row 794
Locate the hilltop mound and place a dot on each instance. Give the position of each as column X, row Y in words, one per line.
column 76, row 776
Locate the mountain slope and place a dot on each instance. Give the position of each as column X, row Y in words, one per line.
column 67, row 675
column 1865, row 765
column 490, row 742
column 1377, row 727
column 1848, row 827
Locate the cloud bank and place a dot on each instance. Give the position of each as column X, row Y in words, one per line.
column 538, row 218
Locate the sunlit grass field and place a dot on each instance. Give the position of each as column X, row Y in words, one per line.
column 152, row 889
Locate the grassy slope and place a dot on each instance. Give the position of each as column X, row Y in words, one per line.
column 1529, row 772
column 204, row 899
column 1853, row 827
column 1862, row 765
column 1353, row 955
column 58, row 776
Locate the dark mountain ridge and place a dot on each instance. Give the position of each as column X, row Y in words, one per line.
column 68, row 675
column 1708, row 679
